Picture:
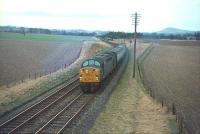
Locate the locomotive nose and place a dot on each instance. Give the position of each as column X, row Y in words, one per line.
column 89, row 74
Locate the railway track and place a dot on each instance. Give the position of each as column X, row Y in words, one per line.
column 63, row 119
column 51, row 114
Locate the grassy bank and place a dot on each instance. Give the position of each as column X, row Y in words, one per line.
column 171, row 74
column 140, row 81
column 131, row 110
column 21, row 93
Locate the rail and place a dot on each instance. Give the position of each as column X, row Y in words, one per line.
column 14, row 123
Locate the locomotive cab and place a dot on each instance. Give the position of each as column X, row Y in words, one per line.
column 90, row 75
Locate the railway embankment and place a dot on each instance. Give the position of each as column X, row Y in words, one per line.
column 130, row 109
column 16, row 98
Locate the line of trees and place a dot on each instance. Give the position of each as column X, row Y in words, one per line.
column 24, row 30
column 105, row 35
column 185, row 36
column 119, row 35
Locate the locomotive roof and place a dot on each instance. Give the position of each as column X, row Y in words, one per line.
column 118, row 48
column 102, row 57
column 106, row 54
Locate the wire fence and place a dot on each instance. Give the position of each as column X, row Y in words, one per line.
column 184, row 122
column 29, row 76
column 25, row 77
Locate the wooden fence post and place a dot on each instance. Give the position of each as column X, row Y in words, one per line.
column 181, row 125
column 173, row 109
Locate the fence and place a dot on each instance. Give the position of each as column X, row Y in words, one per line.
column 22, row 78
column 182, row 121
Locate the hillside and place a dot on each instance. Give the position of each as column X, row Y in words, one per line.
column 171, row 30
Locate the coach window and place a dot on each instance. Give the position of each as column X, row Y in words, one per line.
column 85, row 63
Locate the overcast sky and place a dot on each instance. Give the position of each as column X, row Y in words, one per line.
column 111, row 15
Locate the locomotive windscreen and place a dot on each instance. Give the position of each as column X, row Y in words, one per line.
column 91, row 63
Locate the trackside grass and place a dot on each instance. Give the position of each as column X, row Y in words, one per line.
column 140, row 80
column 130, row 110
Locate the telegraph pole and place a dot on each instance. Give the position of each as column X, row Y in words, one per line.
column 135, row 20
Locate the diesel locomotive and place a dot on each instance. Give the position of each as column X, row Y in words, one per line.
column 96, row 69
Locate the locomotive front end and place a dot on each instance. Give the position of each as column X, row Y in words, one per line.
column 90, row 76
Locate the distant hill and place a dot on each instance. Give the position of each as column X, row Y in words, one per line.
column 171, row 30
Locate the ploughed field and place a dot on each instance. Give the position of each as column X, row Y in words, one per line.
column 172, row 72
column 33, row 55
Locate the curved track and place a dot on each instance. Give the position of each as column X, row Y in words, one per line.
column 68, row 99
column 61, row 120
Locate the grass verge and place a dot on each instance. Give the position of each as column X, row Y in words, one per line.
column 140, row 79
column 130, row 110
column 139, row 61
column 40, row 88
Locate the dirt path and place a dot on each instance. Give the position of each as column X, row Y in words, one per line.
column 130, row 110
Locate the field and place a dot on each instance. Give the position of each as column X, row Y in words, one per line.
column 172, row 72
column 21, row 93
column 30, row 56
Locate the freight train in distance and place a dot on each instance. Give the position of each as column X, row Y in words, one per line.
column 95, row 70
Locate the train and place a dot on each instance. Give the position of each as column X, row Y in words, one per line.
column 95, row 70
